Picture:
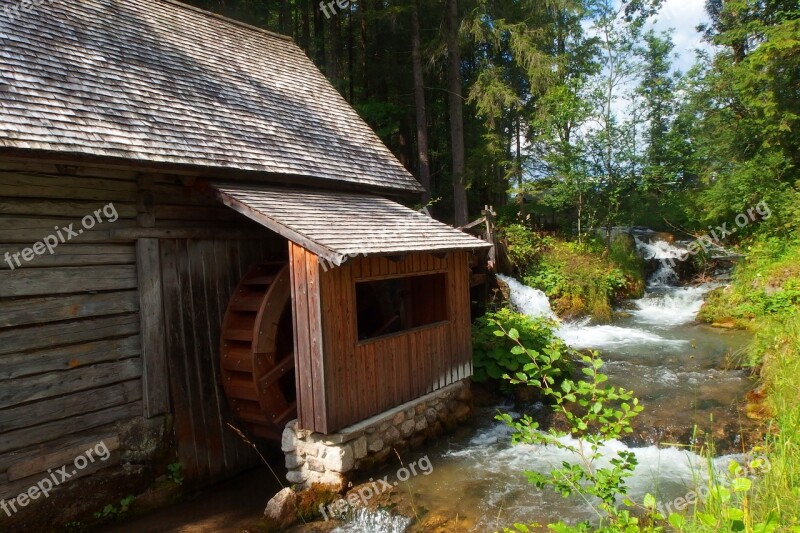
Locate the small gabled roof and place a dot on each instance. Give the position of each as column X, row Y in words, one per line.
column 159, row 81
column 338, row 225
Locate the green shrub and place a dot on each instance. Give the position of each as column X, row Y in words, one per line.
column 523, row 245
column 492, row 354
column 580, row 280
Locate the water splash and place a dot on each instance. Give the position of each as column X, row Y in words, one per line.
column 580, row 335
column 673, row 307
column 666, row 254
column 374, row 521
column 527, row 300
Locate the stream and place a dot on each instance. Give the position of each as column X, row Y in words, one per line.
column 675, row 366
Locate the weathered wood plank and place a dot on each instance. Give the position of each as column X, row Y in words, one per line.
column 48, row 281
column 302, row 342
column 206, row 348
column 155, row 374
column 41, row 386
column 65, row 333
column 66, row 357
column 57, row 459
column 14, row 488
column 316, row 348
column 125, row 234
column 32, row 185
column 72, row 209
column 22, row 438
column 178, row 367
column 70, row 405
column 70, row 254
column 57, row 444
column 28, row 311
column 28, row 230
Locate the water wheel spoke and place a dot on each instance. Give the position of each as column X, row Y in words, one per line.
column 257, row 325
column 283, row 367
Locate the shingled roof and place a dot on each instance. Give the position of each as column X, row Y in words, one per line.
column 158, row 81
column 336, row 225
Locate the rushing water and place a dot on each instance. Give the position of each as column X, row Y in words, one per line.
column 674, row 365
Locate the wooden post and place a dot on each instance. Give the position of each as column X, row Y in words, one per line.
column 155, row 378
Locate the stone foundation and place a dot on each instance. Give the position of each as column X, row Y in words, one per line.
column 317, row 459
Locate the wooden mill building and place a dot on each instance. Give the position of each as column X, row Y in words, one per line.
column 197, row 229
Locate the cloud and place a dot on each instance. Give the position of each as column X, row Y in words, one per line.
column 683, row 17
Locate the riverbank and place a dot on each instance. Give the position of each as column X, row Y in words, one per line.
column 764, row 298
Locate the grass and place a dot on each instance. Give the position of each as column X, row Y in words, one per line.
column 764, row 297
column 580, row 279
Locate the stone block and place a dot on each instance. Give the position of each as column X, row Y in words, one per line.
column 420, row 423
column 462, row 412
column 288, row 440
column 419, row 409
column 294, row 461
column 282, row 508
column 375, row 445
column 407, row 428
column 410, row 413
column 391, row 435
column 340, row 458
column 398, row 419
column 430, row 415
column 296, row 476
column 316, row 464
column 360, row 447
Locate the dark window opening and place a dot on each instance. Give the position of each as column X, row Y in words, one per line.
column 394, row 305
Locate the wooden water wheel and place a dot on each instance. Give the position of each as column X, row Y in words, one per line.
column 257, row 345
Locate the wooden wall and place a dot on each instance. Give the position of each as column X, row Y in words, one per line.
column 70, row 352
column 199, row 277
column 79, row 363
column 361, row 379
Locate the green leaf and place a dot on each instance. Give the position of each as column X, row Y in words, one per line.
column 677, row 521
column 649, row 501
column 741, row 484
column 513, row 334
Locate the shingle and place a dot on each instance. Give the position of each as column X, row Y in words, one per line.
column 160, row 81
column 335, row 225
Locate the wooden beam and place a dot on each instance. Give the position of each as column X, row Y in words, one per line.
column 125, row 234
column 155, row 377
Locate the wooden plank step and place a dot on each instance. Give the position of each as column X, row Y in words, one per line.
column 248, row 302
column 242, row 389
column 262, row 279
column 238, row 359
column 239, row 335
column 252, row 416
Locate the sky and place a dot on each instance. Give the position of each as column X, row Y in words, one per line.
column 683, row 16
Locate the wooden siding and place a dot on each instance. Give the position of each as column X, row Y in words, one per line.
column 72, row 371
column 308, row 341
column 361, row 379
column 70, row 365
column 199, row 278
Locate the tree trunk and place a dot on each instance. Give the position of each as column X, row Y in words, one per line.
column 319, row 40
column 424, row 168
column 456, row 113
